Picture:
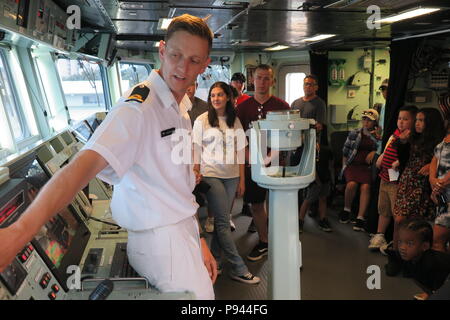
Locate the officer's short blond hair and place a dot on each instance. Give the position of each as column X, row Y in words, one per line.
column 192, row 24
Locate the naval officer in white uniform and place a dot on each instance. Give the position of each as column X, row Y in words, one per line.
column 132, row 150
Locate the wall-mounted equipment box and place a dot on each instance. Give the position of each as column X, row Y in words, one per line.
column 419, row 96
column 338, row 113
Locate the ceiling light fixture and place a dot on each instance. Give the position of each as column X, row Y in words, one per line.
column 407, row 15
column 163, row 23
column 318, row 37
column 277, row 48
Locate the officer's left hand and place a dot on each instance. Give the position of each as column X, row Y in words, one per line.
column 198, row 177
column 209, row 261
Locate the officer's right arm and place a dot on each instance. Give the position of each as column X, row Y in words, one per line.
column 55, row 195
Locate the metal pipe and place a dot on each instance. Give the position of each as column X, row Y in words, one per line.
column 372, row 75
column 232, row 19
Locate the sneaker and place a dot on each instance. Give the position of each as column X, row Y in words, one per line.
column 377, row 241
column 258, row 252
column 386, row 247
column 232, row 225
column 252, row 227
column 247, row 278
column 300, row 226
column 324, row 225
column 209, row 224
column 421, row 296
column 360, row 225
column 353, row 219
column 344, row 216
column 246, row 210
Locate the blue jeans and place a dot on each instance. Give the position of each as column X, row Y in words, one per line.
column 220, row 198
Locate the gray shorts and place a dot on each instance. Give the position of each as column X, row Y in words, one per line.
column 316, row 191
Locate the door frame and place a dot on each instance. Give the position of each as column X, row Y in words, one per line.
column 286, row 68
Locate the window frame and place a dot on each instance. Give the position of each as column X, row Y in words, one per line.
column 26, row 132
column 147, row 66
column 103, row 79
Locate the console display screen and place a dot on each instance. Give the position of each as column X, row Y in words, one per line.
column 83, row 131
column 13, row 276
column 61, row 241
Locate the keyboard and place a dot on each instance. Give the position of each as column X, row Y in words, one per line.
column 120, row 267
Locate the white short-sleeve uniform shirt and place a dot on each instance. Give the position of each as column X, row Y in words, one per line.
column 150, row 190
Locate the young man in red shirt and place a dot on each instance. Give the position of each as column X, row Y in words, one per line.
column 253, row 109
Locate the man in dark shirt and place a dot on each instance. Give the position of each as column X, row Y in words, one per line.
column 310, row 105
column 198, row 105
column 253, row 109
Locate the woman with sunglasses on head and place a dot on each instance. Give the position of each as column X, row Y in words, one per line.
column 358, row 154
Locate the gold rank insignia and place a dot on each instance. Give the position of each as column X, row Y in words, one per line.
column 139, row 94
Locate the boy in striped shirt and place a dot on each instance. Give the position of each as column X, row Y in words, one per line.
column 389, row 166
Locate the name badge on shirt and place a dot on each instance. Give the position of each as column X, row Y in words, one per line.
column 167, row 132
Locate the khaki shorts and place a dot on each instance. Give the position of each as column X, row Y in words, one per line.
column 386, row 198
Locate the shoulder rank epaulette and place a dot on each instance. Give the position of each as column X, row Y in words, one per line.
column 139, row 94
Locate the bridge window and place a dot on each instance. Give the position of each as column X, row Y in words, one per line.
column 211, row 75
column 132, row 73
column 83, row 83
column 294, row 86
column 16, row 120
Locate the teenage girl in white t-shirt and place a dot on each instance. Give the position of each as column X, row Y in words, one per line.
column 219, row 152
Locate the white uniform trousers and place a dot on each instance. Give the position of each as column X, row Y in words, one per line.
column 170, row 258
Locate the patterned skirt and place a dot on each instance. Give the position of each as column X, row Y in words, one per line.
column 413, row 194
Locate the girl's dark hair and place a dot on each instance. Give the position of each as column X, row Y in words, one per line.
column 230, row 112
column 432, row 134
column 420, row 226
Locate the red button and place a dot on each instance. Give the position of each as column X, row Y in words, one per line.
column 30, row 247
column 52, row 296
column 55, row 288
column 44, row 284
column 23, row 258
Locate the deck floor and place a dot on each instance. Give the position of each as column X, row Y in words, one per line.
column 334, row 265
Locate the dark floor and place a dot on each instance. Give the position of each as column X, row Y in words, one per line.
column 334, row 265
